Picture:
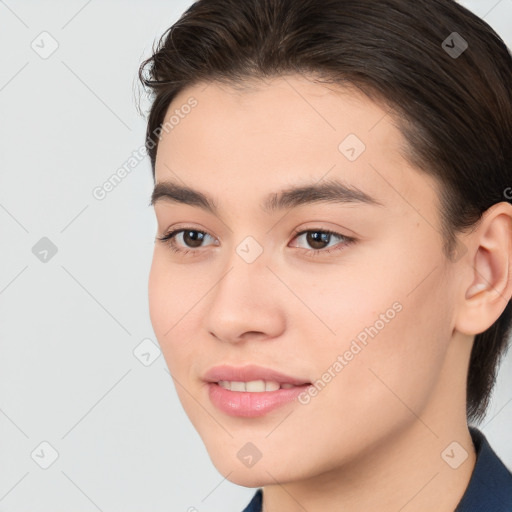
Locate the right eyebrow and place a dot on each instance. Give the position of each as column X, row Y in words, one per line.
column 167, row 190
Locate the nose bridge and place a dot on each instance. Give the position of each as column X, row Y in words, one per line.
column 245, row 277
column 243, row 299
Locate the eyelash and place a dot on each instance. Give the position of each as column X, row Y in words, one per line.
column 169, row 240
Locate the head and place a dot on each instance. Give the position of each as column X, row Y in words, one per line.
column 368, row 119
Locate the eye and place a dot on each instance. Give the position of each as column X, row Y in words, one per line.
column 320, row 240
column 187, row 240
column 181, row 239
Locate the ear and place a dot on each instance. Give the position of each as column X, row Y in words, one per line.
column 486, row 287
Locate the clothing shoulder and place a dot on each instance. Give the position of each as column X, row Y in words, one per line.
column 255, row 504
column 490, row 486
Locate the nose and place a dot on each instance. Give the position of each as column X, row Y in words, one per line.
column 247, row 303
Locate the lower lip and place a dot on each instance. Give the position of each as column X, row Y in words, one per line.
column 251, row 404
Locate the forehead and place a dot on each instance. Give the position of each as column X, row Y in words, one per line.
column 280, row 132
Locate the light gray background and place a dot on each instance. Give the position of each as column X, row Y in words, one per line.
column 68, row 328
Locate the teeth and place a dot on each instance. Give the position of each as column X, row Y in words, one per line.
column 255, row 386
column 237, row 386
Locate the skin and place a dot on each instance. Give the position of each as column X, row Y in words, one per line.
column 372, row 439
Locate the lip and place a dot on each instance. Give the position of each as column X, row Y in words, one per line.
column 248, row 373
column 251, row 404
column 246, row 403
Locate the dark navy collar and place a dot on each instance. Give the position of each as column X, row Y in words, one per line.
column 489, row 489
column 490, row 486
column 255, row 504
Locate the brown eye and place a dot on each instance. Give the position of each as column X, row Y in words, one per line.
column 320, row 241
column 193, row 238
column 184, row 240
column 317, row 239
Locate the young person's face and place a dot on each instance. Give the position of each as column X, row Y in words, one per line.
column 372, row 318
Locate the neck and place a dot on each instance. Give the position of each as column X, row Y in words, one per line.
column 411, row 468
column 407, row 472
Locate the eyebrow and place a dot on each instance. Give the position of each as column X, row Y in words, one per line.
column 326, row 192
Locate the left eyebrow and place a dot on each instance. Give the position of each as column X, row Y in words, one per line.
column 330, row 191
column 326, row 192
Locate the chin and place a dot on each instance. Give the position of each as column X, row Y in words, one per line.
column 250, row 477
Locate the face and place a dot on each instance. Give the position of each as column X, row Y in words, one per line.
column 336, row 286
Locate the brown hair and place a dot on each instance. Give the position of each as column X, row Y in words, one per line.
column 453, row 104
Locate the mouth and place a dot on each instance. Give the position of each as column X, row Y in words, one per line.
column 250, row 404
column 252, row 378
column 257, row 386
column 251, row 391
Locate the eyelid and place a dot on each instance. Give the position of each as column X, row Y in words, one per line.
column 346, row 240
column 170, row 235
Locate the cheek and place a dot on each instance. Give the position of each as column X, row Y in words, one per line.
column 173, row 294
column 161, row 303
column 393, row 349
column 170, row 304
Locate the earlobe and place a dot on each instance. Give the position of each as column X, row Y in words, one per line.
column 488, row 292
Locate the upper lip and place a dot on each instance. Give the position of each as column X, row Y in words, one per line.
column 248, row 373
